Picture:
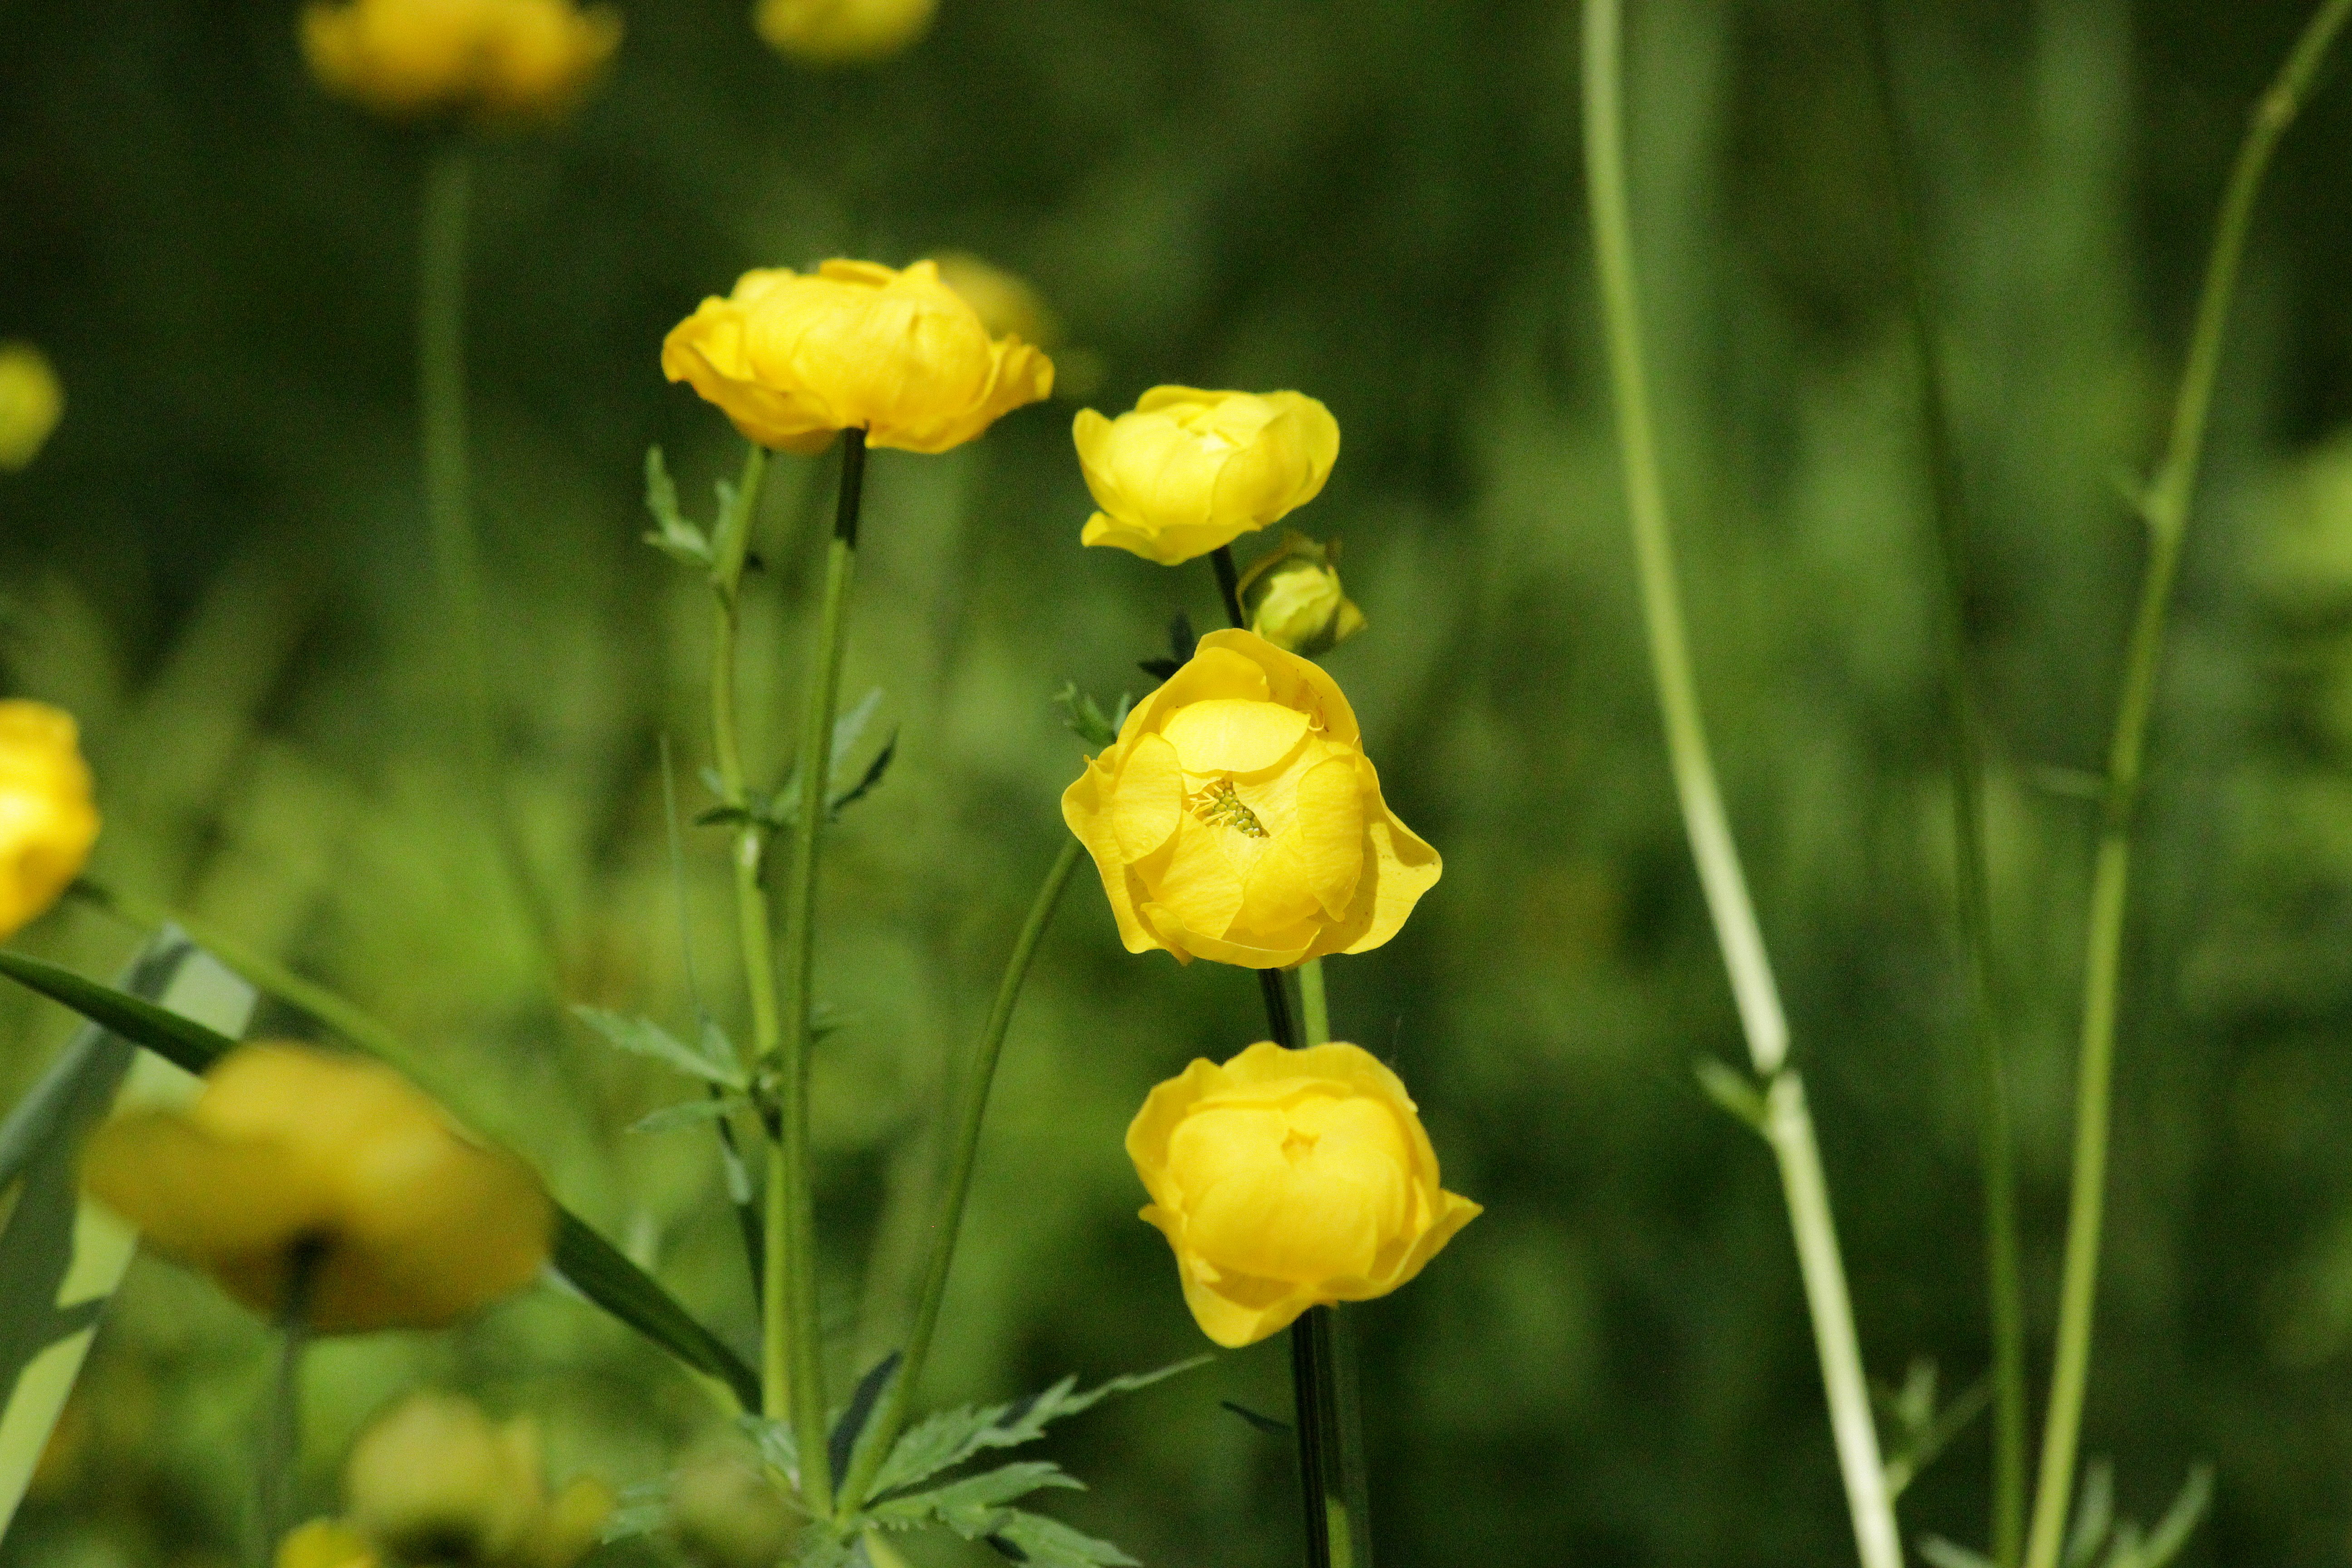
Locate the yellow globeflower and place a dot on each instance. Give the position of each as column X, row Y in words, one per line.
column 432, row 1479
column 1189, row 471
column 1285, row 1179
column 842, row 32
column 31, row 403
column 325, row 1543
column 792, row 357
column 1237, row 819
column 46, row 821
column 292, row 1153
column 1293, row 598
column 412, row 58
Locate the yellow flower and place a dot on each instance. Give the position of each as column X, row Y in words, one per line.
column 325, row 1543
column 412, row 58
column 432, row 1478
column 1285, row 1179
column 727, row 1512
column 291, row 1153
column 1237, row 819
column 46, row 821
column 31, row 403
column 792, row 357
column 1006, row 304
column 1294, row 600
column 1188, row 471
column 842, row 32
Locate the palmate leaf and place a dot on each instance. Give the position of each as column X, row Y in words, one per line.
column 689, row 1113
column 672, row 534
column 644, row 1038
column 1049, row 1543
column 594, row 1266
column 949, row 1437
column 971, row 1499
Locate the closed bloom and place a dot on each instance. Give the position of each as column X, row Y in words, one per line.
column 1294, row 600
column 296, row 1157
column 433, row 1480
column 792, row 357
column 31, row 403
column 407, row 58
column 842, row 32
column 325, row 1543
column 1189, row 471
column 1237, row 819
column 1285, row 1179
column 46, row 821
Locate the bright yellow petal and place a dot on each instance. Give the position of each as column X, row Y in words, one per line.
column 1149, row 798
column 1233, row 735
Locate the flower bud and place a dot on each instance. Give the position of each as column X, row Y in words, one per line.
column 1188, row 471
column 1007, row 306
column 31, row 403
column 842, row 32
column 294, row 1158
column 791, row 358
column 1237, row 819
column 1285, row 1179
column 1292, row 599
column 409, row 58
column 46, row 821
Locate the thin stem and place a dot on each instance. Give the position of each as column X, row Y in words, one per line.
column 449, row 515
column 1737, row 933
column 971, row 1111
column 1229, row 584
column 1314, row 1005
column 2165, row 508
column 277, row 1477
column 790, row 1337
column 1964, row 757
column 1281, row 1017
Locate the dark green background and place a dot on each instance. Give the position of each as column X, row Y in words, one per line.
column 219, row 565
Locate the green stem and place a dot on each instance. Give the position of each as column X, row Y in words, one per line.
column 1964, row 755
column 1314, row 1004
column 449, row 510
column 794, row 1356
column 2166, row 509
column 1788, row 1126
column 278, row 1483
column 971, row 1111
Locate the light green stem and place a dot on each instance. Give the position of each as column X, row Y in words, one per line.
column 971, row 1111
column 1964, row 758
column 449, row 514
column 2166, row 509
column 794, row 1352
column 1788, row 1126
column 1314, row 1002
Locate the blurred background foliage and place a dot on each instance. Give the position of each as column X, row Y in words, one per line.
column 218, row 565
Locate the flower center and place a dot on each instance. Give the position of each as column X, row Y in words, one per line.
column 1220, row 806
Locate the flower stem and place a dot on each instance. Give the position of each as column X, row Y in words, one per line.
column 1314, row 1007
column 450, row 516
column 2166, row 510
column 794, row 1356
column 1964, row 755
column 1789, row 1127
column 1229, row 584
column 971, row 1111
column 277, row 1477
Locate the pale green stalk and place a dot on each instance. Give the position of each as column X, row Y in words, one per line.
column 971, row 1111
column 1314, row 1002
column 1787, row 1125
column 793, row 1354
column 2166, row 510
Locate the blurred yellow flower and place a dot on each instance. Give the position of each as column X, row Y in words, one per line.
column 1188, row 471
column 433, row 1478
column 1285, row 1179
column 842, row 32
column 1293, row 598
column 1007, row 306
column 728, row 1513
column 291, row 1153
column 31, row 403
column 792, row 357
column 46, row 821
column 1237, row 819
column 498, row 57
column 325, row 1543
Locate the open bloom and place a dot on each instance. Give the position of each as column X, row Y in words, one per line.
column 1285, row 1179
column 792, row 357
column 31, row 403
column 1188, row 471
column 412, row 58
column 842, row 32
column 1236, row 816
column 46, row 821
column 296, row 1158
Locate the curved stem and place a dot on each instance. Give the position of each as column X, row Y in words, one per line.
column 2165, row 508
column 1788, row 1126
column 793, row 1354
column 1964, row 758
column 972, row 1112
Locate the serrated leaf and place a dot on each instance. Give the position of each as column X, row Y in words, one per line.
column 970, row 1497
column 1083, row 716
column 673, row 534
column 1049, row 1543
column 646, row 1038
column 819, row 1547
column 949, row 1437
column 776, row 1442
column 719, row 1046
column 689, row 1113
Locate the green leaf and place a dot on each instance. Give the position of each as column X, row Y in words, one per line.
column 1732, row 1091
column 718, row 1046
column 778, row 1447
column 973, row 1496
column 1942, row 1553
column 647, row 1038
column 178, row 1040
column 672, row 534
column 820, row 1547
column 871, row 777
column 2172, row 1531
column 1083, row 716
column 640, row 1511
column 949, row 1437
column 689, row 1113
column 1049, row 1543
